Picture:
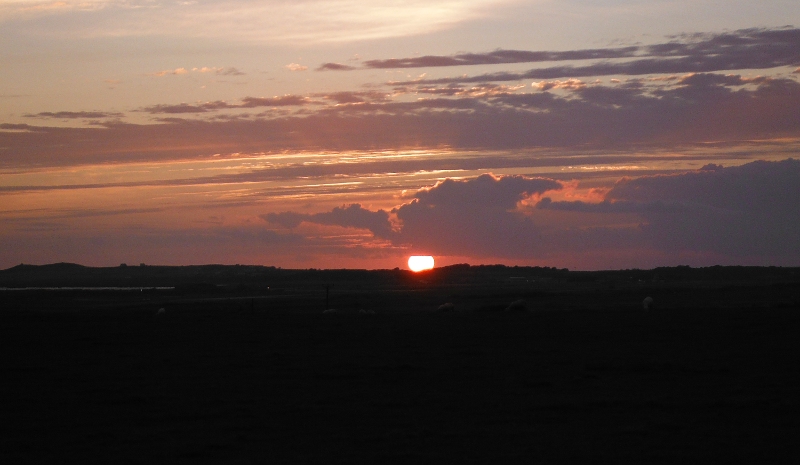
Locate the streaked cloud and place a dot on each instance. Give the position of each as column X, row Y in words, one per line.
column 174, row 72
column 277, row 21
column 335, row 67
column 220, row 71
column 247, row 102
column 490, row 58
column 75, row 114
column 354, row 216
column 582, row 134
column 697, row 53
column 689, row 109
column 759, row 48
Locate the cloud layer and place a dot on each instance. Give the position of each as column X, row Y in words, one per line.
column 695, row 53
column 304, row 165
column 744, row 214
column 661, row 112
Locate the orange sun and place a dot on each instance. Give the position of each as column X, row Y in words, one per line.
column 420, row 262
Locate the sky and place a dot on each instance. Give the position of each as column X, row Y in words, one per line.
column 581, row 134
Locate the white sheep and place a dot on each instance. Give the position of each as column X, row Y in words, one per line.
column 447, row 307
column 647, row 303
column 517, row 306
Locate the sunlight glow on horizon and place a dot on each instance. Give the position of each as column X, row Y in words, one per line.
column 418, row 263
column 343, row 133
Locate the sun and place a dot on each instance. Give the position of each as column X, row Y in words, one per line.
column 420, row 262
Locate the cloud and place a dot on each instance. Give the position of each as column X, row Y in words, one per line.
column 500, row 57
column 173, row 72
column 743, row 214
column 346, row 97
column 689, row 109
column 699, row 53
column 452, row 90
column 374, row 166
column 219, row 71
column 742, row 49
column 188, row 108
column 570, row 84
column 353, row 215
column 268, row 21
column 75, row 114
column 284, row 100
column 335, row 67
column 750, row 211
column 19, row 127
column 479, row 215
column 486, row 192
column 247, row 102
column 229, row 71
column 295, row 67
column 752, row 187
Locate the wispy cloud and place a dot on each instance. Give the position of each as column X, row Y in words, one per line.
column 247, row 102
column 738, row 50
column 335, row 67
column 276, row 21
column 229, row 71
column 686, row 109
column 295, row 67
column 173, row 72
column 490, row 58
column 354, row 216
column 75, row 115
column 220, row 71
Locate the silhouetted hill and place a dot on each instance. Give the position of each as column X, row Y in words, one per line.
column 253, row 277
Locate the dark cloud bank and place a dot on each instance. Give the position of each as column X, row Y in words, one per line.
column 744, row 214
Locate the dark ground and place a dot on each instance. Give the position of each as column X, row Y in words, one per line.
column 256, row 375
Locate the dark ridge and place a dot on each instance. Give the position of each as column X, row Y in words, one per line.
column 75, row 275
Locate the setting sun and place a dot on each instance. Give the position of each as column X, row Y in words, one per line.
column 420, row 262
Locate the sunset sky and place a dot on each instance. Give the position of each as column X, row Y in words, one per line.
column 588, row 134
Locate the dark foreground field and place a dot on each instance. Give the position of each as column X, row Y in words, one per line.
column 239, row 381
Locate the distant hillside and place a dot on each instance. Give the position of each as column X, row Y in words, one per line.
column 251, row 276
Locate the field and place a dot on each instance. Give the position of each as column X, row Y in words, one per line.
column 250, row 372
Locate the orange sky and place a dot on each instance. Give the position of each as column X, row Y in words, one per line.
column 338, row 133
